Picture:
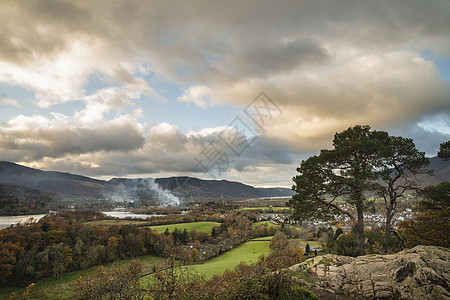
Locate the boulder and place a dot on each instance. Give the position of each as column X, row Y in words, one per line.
column 422, row 272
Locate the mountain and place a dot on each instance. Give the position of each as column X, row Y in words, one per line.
column 198, row 188
column 50, row 181
column 441, row 170
column 79, row 187
column 21, row 200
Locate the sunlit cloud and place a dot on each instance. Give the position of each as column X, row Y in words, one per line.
column 99, row 71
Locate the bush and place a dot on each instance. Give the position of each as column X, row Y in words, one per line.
column 345, row 245
column 428, row 228
column 297, row 292
column 114, row 284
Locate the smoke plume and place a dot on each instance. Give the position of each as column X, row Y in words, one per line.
column 130, row 190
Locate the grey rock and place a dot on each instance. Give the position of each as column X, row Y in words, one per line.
column 419, row 273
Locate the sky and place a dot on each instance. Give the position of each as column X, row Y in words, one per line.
column 236, row 90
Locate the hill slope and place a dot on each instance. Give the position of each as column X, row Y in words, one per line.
column 82, row 187
column 50, row 181
column 441, row 170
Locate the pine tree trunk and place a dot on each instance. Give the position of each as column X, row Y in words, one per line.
column 387, row 234
column 360, row 231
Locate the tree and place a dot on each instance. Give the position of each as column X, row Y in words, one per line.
column 401, row 163
column 337, row 233
column 345, row 172
column 121, row 283
column 9, row 254
column 307, row 249
column 171, row 280
column 436, row 196
column 428, row 228
column 279, row 241
column 444, row 151
column 167, row 233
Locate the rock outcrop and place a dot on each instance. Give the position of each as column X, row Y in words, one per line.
column 419, row 273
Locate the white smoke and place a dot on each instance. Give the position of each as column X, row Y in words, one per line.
column 128, row 192
column 163, row 195
column 121, row 193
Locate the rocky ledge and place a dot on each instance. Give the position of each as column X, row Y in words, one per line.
column 419, row 273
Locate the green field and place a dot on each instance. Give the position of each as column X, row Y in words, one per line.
column 197, row 226
column 52, row 288
column 247, row 252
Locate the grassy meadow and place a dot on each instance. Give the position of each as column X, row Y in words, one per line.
column 248, row 252
column 197, row 226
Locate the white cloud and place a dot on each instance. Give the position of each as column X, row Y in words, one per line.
column 199, row 95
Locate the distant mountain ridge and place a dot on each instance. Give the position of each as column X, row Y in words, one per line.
column 73, row 185
column 84, row 188
column 218, row 188
column 441, row 170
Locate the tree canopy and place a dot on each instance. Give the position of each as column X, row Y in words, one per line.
column 400, row 165
column 436, row 197
column 345, row 173
column 444, row 151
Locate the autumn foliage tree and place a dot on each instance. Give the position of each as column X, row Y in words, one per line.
column 118, row 283
column 430, row 227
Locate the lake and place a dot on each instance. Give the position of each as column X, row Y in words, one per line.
column 6, row 221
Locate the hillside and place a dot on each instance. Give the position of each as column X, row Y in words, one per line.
column 198, row 188
column 82, row 188
column 50, row 181
column 19, row 200
column 441, row 171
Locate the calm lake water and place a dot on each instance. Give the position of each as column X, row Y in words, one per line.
column 7, row 221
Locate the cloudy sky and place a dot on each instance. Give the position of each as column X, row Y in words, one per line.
column 159, row 88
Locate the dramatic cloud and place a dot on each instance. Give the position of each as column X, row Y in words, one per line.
column 33, row 138
column 96, row 67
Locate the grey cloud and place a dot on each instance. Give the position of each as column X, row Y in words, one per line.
column 425, row 140
column 180, row 33
column 165, row 150
column 29, row 144
column 267, row 58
